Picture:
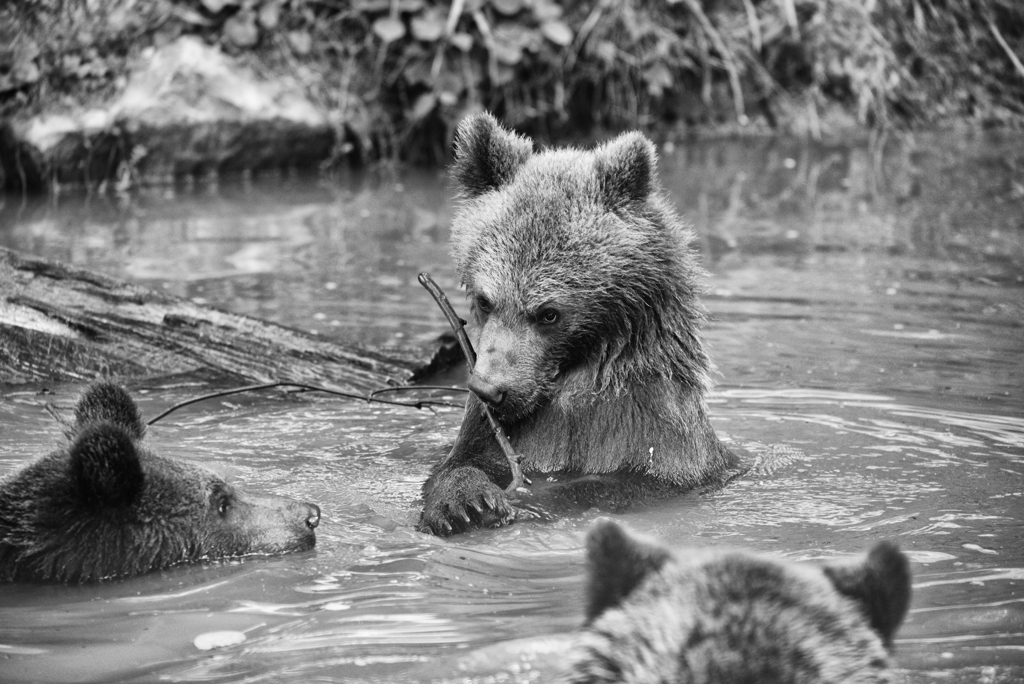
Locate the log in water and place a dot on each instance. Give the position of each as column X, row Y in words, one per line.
column 62, row 323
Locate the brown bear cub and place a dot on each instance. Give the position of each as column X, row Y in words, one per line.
column 583, row 288
column 711, row 616
column 106, row 506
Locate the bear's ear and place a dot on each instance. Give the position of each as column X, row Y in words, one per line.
column 105, row 401
column 880, row 584
column 486, row 155
column 105, row 467
column 617, row 563
column 626, row 169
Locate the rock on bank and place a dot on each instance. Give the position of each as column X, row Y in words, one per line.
column 186, row 110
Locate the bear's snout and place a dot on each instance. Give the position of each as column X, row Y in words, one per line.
column 488, row 392
column 313, row 516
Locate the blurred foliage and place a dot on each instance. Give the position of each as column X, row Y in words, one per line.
column 963, row 56
column 399, row 74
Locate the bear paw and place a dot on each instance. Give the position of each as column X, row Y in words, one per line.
column 462, row 499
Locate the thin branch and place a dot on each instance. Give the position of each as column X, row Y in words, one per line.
column 426, row 403
column 789, row 10
column 1006, row 47
column 492, row 58
column 754, row 24
column 581, row 36
column 66, row 426
column 453, row 17
column 727, row 58
column 454, row 13
column 419, row 388
column 459, row 327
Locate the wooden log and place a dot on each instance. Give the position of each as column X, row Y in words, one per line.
column 61, row 323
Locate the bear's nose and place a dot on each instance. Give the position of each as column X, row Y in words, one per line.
column 313, row 518
column 486, row 390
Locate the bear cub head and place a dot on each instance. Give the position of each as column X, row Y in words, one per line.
column 106, row 506
column 579, row 274
column 714, row 616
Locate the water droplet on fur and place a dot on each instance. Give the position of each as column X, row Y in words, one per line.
column 223, row 639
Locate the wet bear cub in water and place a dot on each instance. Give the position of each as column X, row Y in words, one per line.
column 105, row 505
column 585, row 320
column 713, row 616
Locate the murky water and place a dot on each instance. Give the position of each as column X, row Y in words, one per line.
column 868, row 315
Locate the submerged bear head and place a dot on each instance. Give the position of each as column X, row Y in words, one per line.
column 579, row 274
column 717, row 617
column 106, row 506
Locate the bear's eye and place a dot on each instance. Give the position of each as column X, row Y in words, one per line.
column 484, row 304
column 222, row 497
column 548, row 316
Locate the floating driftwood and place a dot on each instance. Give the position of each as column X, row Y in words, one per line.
column 63, row 323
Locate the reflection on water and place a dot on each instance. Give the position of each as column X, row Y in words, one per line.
column 867, row 314
column 335, row 258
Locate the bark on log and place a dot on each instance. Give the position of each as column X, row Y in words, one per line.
column 61, row 323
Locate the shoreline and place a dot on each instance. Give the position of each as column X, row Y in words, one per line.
column 124, row 94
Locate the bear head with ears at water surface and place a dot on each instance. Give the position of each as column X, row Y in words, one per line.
column 583, row 288
column 105, row 505
column 714, row 616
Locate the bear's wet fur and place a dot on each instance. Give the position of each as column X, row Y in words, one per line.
column 713, row 616
column 104, row 505
column 586, row 322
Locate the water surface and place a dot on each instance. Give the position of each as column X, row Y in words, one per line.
column 867, row 307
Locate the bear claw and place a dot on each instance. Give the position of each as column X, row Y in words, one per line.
column 445, row 518
column 462, row 499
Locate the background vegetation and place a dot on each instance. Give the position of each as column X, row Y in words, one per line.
column 398, row 74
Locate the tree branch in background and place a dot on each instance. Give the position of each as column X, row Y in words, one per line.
column 1006, row 47
column 727, row 58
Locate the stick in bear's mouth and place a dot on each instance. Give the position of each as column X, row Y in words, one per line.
column 459, row 327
